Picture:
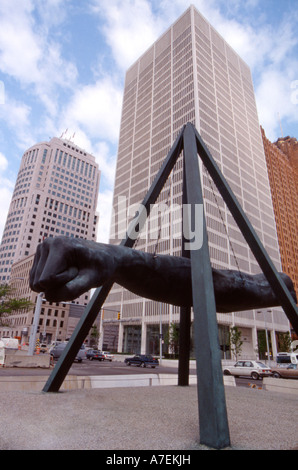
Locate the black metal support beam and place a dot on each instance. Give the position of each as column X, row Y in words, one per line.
column 184, row 346
column 82, row 329
column 66, row 359
column 185, row 314
column 213, row 422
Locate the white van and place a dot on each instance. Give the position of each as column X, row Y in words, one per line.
column 10, row 343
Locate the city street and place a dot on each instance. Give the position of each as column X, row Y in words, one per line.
column 87, row 367
column 115, row 367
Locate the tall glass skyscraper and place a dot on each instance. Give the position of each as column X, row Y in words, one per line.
column 190, row 74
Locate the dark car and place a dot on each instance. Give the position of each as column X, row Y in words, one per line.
column 95, row 354
column 142, row 360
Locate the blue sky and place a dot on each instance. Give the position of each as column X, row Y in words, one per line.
column 63, row 63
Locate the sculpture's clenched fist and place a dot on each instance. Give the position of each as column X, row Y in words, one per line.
column 64, row 268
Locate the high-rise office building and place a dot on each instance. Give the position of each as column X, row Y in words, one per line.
column 282, row 164
column 190, row 74
column 55, row 194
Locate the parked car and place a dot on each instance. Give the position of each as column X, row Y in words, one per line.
column 108, row 356
column 57, row 350
column 290, row 372
column 95, row 354
column 43, row 348
column 142, row 360
column 253, row 369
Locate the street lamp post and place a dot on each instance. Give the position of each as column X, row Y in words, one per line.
column 32, row 341
column 17, row 278
column 160, row 334
column 266, row 334
column 100, row 341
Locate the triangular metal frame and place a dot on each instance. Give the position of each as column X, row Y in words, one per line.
column 213, row 421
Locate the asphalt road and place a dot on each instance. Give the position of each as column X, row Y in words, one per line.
column 109, row 368
column 116, row 367
column 93, row 368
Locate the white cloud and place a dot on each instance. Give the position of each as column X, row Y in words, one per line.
column 3, row 162
column 96, row 108
column 106, row 162
column 275, row 105
column 283, row 40
column 6, row 190
column 52, row 12
column 29, row 55
column 56, row 74
column 19, row 48
column 130, row 28
column 16, row 116
column 5, row 198
column 104, row 208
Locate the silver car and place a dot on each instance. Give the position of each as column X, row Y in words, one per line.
column 108, row 356
column 253, row 369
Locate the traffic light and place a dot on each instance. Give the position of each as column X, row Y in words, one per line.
column 118, row 316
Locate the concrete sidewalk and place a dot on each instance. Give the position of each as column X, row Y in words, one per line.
column 142, row 418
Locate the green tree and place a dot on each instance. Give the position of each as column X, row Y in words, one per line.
column 172, row 339
column 285, row 341
column 235, row 341
column 10, row 304
column 262, row 344
column 94, row 336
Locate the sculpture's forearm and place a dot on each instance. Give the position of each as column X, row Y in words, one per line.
column 168, row 279
column 163, row 278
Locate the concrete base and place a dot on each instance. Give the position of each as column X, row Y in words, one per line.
column 20, row 359
column 142, row 418
column 281, row 385
column 77, row 382
column 138, row 380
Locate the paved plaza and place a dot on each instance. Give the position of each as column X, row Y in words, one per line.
column 142, row 418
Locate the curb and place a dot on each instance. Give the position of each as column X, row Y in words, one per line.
column 78, row 382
